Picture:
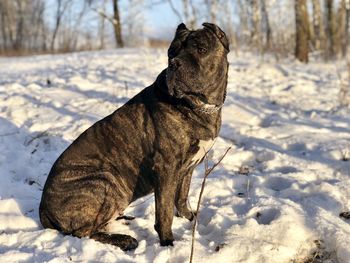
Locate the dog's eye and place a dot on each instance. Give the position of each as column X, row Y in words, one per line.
column 201, row 50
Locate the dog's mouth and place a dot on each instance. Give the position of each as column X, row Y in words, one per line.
column 179, row 89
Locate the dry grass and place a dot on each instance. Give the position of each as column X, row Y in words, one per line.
column 320, row 254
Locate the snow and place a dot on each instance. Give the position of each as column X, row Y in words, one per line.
column 280, row 188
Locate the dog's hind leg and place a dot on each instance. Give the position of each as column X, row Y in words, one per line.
column 85, row 212
column 125, row 242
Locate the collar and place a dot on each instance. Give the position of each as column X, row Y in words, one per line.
column 208, row 108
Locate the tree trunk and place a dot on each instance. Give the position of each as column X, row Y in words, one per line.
column 330, row 31
column 265, row 18
column 101, row 27
column 318, row 36
column 302, row 31
column 20, row 26
column 3, row 27
column 347, row 25
column 256, row 20
column 342, row 28
column 57, row 25
column 117, row 25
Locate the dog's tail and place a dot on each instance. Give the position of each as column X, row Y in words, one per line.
column 125, row 242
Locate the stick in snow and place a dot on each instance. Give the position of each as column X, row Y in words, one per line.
column 206, row 174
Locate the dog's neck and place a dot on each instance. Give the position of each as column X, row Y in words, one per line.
column 199, row 106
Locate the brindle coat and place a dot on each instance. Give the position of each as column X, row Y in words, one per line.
column 149, row 144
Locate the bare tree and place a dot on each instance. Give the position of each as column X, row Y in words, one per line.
column 243, row 21
column 74, row 32
column 194, row 19
column 347, row 25
column 18, row 45
column 318, row 29
column 101, row 27
column 61, row 8
column 117, row 25
column 302, row 31
column 330, row 29
column 22, row 25
column 226, row 21
column 38, row 28
column 212, row 6
column 114, row 20
column 256, row 23
column 8, row 24
column 186, row 7
column 266, row 25
column 342, row 28
column 175, row 10
column 189, row 13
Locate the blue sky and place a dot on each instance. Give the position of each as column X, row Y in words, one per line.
column 160, row 20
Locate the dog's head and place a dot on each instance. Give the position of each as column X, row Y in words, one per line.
column 197, row 66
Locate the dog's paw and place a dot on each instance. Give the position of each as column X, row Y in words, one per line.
column 167, row 242
column 166, row 239
column 187, row 213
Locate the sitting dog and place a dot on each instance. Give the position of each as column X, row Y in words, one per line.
column 152, row 143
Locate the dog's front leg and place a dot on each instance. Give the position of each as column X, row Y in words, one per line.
column 164, row 197
column 165, row 189
column 182, row 195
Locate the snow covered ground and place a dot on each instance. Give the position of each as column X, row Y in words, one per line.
column 276, row 197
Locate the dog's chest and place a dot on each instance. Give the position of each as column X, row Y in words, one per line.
column 204, row 146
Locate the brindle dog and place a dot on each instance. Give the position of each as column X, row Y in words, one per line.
column 152, row 143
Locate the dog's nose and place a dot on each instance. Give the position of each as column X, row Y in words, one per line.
column 174, row 64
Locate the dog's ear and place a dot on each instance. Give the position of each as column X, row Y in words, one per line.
column 219, row 34
column 182, row 32
column 181, row 35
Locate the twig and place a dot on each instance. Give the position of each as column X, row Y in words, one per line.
column 105, row 16
column 9, row 133
column 39, row 135
column 144, row 201
column 206, row 174
column 174, row 9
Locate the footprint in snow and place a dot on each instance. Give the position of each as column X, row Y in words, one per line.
column 264, row 156
column 265, row 217
column 287, row 170
column 278, row 183
column 297, row 147
column 268, row 121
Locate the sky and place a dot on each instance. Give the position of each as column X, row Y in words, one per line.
column 159, row 20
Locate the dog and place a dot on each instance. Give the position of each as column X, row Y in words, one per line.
column 150, row 144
